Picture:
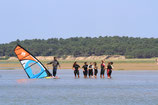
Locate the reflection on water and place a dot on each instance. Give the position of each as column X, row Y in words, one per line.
column 125, row 88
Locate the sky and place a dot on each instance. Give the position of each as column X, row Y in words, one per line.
column 43, row 19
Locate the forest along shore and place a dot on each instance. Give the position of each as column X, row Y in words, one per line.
column 120, row 62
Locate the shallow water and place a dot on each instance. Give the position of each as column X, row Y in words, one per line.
column 125, row 88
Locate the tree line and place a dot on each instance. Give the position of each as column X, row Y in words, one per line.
column 87, row 46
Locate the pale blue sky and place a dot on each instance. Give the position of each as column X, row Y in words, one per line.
column 29, row 19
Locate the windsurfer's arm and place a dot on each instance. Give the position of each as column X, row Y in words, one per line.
column 50, row 63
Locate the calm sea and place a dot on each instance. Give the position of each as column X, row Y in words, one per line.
column 125, row 88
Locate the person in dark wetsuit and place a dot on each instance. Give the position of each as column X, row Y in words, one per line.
column 76, row 68
column 90, row 69
column 109, row 69
column 85, row 69
column 55, row 65
column 95, row 69
column 102, row 72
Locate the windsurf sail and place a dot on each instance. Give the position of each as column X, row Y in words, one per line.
column 32, row 66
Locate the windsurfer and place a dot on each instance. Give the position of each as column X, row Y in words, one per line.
column 55, row 65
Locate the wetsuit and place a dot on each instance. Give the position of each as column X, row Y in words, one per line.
column 55, row 65
column 109, row 70
column 90, row 70
column 102, row 69
column 95, row 70
column 76, row 71
column 85, row 67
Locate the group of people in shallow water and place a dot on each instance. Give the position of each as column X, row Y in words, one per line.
column 91, row 70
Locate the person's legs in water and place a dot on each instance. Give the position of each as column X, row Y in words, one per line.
column 108, row 73
column 95, row 73
column 89, row 74
column 92, row 73
column 75, row 73
column 85, row 74
column 78, row 74
column 102, row 73
column 54, row 71
column 103, row 76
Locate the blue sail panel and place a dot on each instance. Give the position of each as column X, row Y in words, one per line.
column 34, row 69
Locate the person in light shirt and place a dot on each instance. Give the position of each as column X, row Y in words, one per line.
column 90, row 70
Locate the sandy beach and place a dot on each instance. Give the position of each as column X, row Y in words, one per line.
column 127, row 64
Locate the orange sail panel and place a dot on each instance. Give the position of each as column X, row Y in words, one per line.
column 22, row 54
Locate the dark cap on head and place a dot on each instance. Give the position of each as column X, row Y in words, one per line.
column 111, row 62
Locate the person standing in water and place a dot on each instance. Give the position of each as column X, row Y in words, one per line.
column 55, row 65
column 90, row 69
column 102, row 72
column 109, row 69
column 85, row 69
column 76, row 68
column 95, row 69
